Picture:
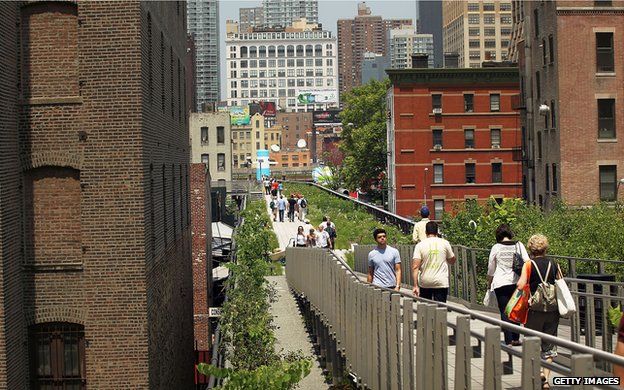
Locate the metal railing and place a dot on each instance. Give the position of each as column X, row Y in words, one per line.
column 392, row 340
column 467, row 285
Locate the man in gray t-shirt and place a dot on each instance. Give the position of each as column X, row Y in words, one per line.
column 384, row 263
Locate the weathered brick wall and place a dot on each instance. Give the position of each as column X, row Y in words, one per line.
column 202, row 260
column 13, row 357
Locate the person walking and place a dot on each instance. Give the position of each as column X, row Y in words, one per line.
column 273, row 208
column 384, row 263
column 311, row 238
column 291, row 208
column 322, row 238
column 430, row 262
column 280, row 188
column 274, row 187
column 303, row 208
column 267, row 185
column 281, row 207
column 501, row 277
column 330, row 228
column 543, row 313
column 419, row 233
column 300, row 239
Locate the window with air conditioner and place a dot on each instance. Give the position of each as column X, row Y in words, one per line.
column 495, row 138
column 606, row 118
column 494, row 102
column 471, row 175
column 204, row 135
column 469, row 139
column 437, row 139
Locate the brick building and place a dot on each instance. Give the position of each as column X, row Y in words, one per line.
column 452, row 135
column 572, row 74
column 94, row 203
column 295, row 125
column 291, row 159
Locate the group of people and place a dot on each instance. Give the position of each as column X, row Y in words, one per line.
column 295, row 207
column 430, row 273
column 325, row 237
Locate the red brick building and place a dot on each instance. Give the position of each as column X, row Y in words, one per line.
column 95, row 223
column 452, row 135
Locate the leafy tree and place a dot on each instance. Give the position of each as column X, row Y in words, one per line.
column 364, row 134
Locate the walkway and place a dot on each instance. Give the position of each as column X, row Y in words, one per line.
column 290, row 329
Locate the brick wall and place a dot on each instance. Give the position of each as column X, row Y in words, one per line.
column 202, row 259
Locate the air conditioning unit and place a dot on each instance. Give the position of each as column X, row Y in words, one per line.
column 437, row 111
column 437, row 147
column 496, row 146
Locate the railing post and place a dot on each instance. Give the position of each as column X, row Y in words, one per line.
column 408, row 344
column 384, row 308
column 440, row 350
column 394, row 341
column 463, row 354
column 421, row 359
column 493, row 369
column 531, row 363
column 582, row 365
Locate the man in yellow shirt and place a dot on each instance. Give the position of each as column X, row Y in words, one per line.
column 419, row 228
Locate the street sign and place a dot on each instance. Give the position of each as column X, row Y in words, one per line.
column 214, row 312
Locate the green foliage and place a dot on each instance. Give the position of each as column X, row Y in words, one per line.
column 353, row 224
column 283, row 374
column 614, row 314
column 364, row 142
column 246, row 323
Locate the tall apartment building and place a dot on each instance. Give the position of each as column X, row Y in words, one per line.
column 477, row 30
column 364, row 33
column 517, row 32
column 250, row 18
column 572, row 75
column 211, row 144
column 453, row 135
column 295, row 70
column 281, row 13
column 203, row 25
column 403, row 42
column 430, row 22
column 96, row 271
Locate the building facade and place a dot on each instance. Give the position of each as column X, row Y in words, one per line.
column 247, row 140
column 273, row 136
column 572, row 149
column 295, row 125
column 211, row 144
column 374, row 67
column 250, row 18
column 364, row 33
column 291, row 159
column 430, row 22
column 452, row 135
column 96, row 271
column 403, row 42
column 295, row 70
column 478, row 31
column 203, row 25
column 281, row 13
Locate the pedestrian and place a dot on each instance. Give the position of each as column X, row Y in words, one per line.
column 303, row 208
column 330, row 228
column 280, row 188
column 267, row 185
column 300, row 239
column 311, row 238
column 543, row 315
column 281, row 207
column 273, row 208
column 292, row 202
column 419, row 227
column 274, row 187
column 501, row 276
column 322, row 238
column 430, row 262
column 384, row 263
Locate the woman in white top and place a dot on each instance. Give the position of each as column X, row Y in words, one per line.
column 501, row 276
column 301, row 238
column 322, row 238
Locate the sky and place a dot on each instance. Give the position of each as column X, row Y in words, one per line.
column 329, row 13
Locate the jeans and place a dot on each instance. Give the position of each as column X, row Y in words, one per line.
column 281, row 215
column 291, row 214
column 503, row 294
column 435, row 294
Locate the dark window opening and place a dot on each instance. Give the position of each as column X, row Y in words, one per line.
column 437, row 138
column 606, row 118
column 471, row 176
column 436, row 101
column 608, row 182
column 469, row 139
column 468, row 103
column 220, row 135
column 604, row 52
column 497, row 172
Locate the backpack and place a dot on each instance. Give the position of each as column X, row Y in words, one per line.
column 272, row 205
column 544, row 299
column 304, row 203
column 331, row 231
column 517, row 262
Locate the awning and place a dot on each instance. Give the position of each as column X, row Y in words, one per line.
column 221, row 230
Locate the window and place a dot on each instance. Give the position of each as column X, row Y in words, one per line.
column 205, row 158
column 536, row 22
column 57, row 355
column 555, row 186
column 495, row 138
column 221, row 162
column 474, row 44
column 220, row 135
column 539, row 145
column 438, row 173
column 489, row 19
column 472, row 7
column 505, row 19
column 473, row 19
column 470, row 173
column 489, row 7
column 436, row 101
column 608, row 182
column 468, row 102
column 606, row 118
column 204, row 135
column 469, row 139
column 551, row 49
column 553, row 121
column 490, row 44
column 437, row 138
column 474, row 31
column 438, row 208
column 547, row 178
column 497, row 172
column 604, row 52
column 489, row 32
column 505, row 6
column 538, row 85
column 494, row 102
column 544, row 55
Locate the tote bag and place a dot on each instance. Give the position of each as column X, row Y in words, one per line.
column 490, row 299
column 565, row 301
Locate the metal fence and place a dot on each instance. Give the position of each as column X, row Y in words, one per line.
column 391, row 340
column 467, row 285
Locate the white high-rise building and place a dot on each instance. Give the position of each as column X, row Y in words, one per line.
column 283, row 12
column 296, row 70
column 203, row 25
column 403, row 42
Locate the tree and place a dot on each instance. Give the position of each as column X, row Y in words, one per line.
column 364, row 134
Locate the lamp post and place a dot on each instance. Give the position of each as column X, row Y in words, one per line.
column 425, row 185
